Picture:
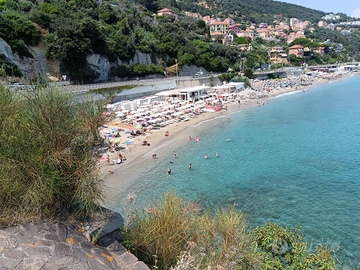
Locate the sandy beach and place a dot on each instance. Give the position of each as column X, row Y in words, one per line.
column 116, row 177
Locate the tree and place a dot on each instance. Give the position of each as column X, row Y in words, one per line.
column 241, row 40
column 248, row 73
column 286, row 249
column 252, row 60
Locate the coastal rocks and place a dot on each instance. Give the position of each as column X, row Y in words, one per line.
column 139, row 58
column 31, row 67
column 28, row 66
column 101, row 65
column 55, row 246
column 103, row 227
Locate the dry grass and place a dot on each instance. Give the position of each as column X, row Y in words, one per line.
column 172, row 228
column 47, row 161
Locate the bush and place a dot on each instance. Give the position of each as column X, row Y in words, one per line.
column 286, row 249
column 138, row 70
column 172, row 233
column 170, row 227
column 47, row 161
column 8, row 69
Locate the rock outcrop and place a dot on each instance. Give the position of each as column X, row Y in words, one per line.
column 47, row 69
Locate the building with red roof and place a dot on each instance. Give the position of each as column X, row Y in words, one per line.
column 298, row 50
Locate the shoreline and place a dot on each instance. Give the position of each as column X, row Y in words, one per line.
column 138, row 156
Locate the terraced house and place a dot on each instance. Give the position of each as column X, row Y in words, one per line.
column 221, row 27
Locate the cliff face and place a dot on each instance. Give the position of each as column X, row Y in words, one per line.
column 46, row 69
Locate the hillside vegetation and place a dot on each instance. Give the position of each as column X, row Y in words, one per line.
column 118, row 29
column 256, row 11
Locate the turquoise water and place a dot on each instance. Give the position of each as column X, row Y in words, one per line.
column 299, row 165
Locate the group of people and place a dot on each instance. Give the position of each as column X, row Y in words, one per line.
column 119, row 160
column 168, row 171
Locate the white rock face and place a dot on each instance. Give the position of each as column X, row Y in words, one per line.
column 40, row 66
column 28, row 66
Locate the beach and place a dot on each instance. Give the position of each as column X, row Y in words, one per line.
column 116, row 177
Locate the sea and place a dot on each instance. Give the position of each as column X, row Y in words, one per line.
column 294, row 161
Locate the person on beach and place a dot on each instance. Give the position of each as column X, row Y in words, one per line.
column 153, row 156
column 189, row 139
column 167, row 134
column 229, row 119
column 124, row 158
column 174, row 154
column 216, row 154
column 168, row 171
column 239, row 102
column 108, row 160
column 206, row 156
column 190, row 166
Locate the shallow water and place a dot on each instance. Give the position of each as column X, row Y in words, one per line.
column 299, row 165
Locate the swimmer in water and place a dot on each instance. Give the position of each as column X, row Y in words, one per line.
column 206, row 156
column 174, row 154
column 189, row 138
column 168, row 171
column 190, row 166
column 216, row 155
column 246, row 139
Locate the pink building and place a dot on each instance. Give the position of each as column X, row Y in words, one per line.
column 322, row 24
column 236, row 28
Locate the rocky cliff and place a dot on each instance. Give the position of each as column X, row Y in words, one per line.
column 39, row 66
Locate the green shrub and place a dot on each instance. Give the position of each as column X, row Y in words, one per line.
column 47, row 161
column 138, row 70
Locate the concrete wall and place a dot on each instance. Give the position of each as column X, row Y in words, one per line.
column 198, row 81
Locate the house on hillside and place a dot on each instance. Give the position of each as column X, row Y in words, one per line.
column 298, row 50
column 221, row 38
column 236, row 28
column 221, row 27
column 167, row 12
column 263, row 32
column 229, row 21
column 322, row 24
column 247, row 33
column 206, row 19
column 320, row 50
column 277, row 55
column 245, row 47
column 263, row 25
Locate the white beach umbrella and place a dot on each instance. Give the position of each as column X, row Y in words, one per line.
column 130, row 116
